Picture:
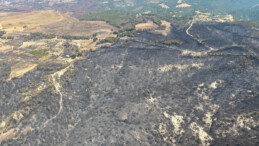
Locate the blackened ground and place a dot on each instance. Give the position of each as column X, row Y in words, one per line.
column 141, row 94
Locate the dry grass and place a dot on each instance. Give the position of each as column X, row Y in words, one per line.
column 14, row 22
column 49, row 21
column 164, row 6
column 147, row 12
column 167, row 29
column 31, row 44
column 200, row 16
column 2, row 125
column 20, row 69
column 5, row 48
column 80, row 28
column 179, row 1
column 224, row 18
column 150, row 25
column 88, row 45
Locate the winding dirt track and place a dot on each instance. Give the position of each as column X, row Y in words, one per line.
column 200, row 41
column 58, row 87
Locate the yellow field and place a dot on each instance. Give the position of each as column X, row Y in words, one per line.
column 50, row 21
column 146, row 26
column 20, row 69
column 47, row 22
column 12, row 22
column 150, row 25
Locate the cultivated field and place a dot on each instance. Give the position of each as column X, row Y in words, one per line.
column 50, row 21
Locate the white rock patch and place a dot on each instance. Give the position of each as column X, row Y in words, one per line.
column 176, row 120
column 203, row 135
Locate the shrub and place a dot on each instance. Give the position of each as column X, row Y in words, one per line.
column 39, row 35
column 2, row 33
column 167, row 42
column 73, row 56
column 70, row 37
column 95, row 39
column 108, row 40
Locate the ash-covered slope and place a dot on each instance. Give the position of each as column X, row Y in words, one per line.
column 142, row 93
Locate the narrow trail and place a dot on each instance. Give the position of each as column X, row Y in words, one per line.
column 187, row 30
column 58, row 87
column 188, row 33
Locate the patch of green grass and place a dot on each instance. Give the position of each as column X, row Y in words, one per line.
column 108, row 40
column 40, row 53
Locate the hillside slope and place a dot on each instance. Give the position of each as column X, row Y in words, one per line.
column 138, row 92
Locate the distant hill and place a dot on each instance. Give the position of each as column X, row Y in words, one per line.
column 250, row 8
column 240, row 9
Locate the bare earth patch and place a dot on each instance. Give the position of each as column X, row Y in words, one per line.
column 26, row 130
column 192, row 53
column 198, row 131
column 214, row 85
column 183, row 5
column 176, row 120
column 8, row 135
column 180, row 67
column 165, row 68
